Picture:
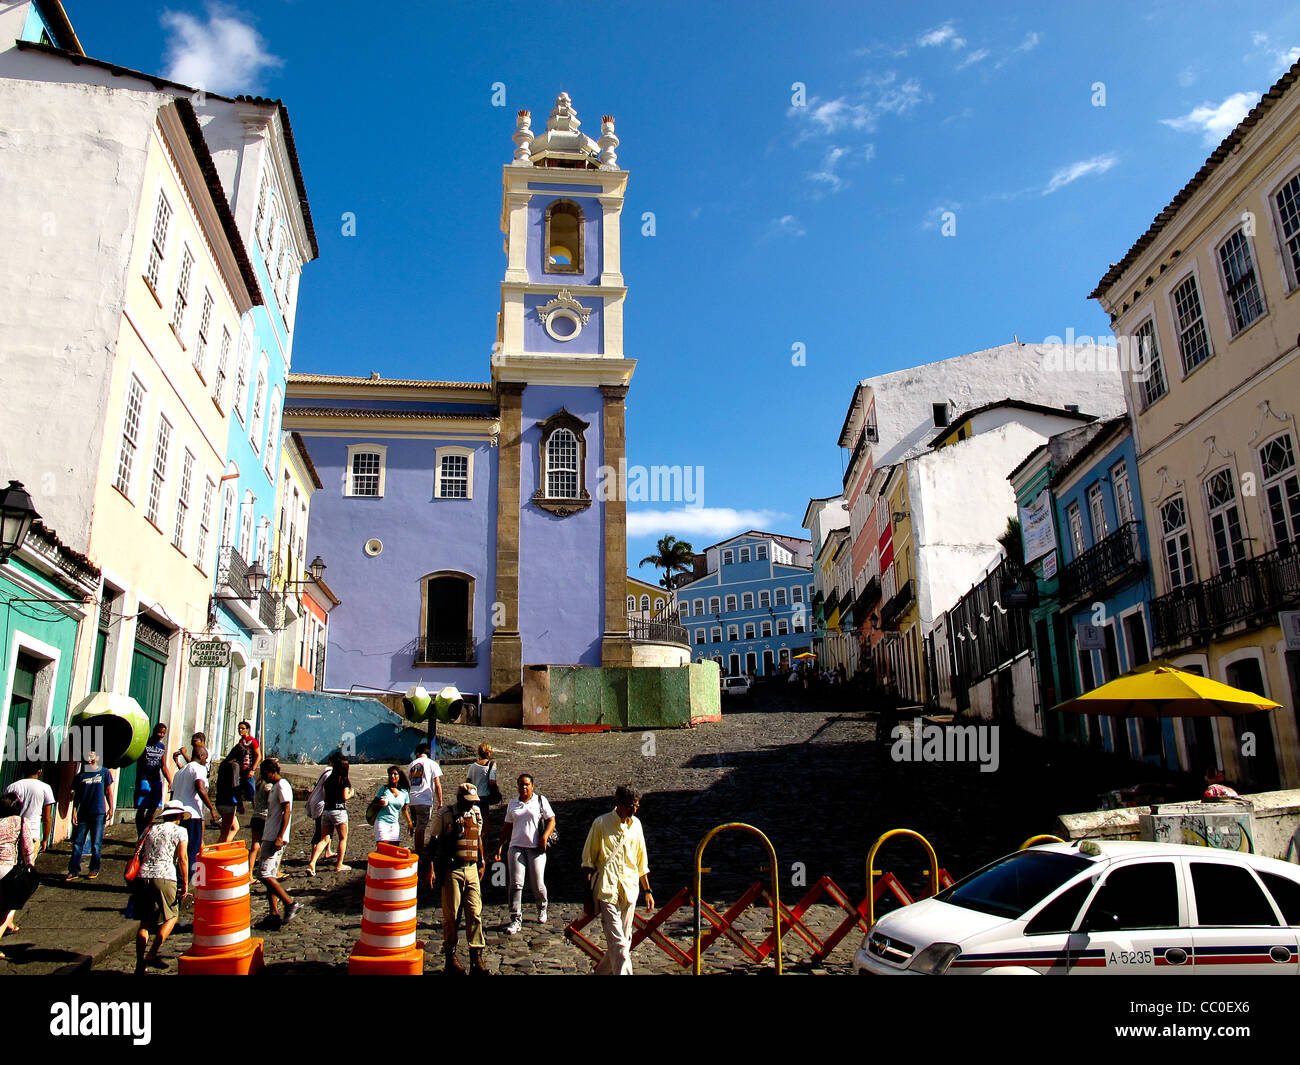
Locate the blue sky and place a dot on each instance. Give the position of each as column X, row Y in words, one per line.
column 780, row 218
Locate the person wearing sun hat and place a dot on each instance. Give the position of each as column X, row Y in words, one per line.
column 163, row 861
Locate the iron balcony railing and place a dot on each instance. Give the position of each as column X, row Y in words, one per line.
column 891, row 611
column 268, row 610
column 1251, row 592
column 1117, row 556
column 657, row 631
column 232, row 571
column 319, row 673
column 460, row 652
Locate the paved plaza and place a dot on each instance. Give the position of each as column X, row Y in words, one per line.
column 812, row 775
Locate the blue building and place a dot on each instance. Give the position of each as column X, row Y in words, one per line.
column 253, row 149
column 752, row 611
column 473, row 528
column 1105, row 587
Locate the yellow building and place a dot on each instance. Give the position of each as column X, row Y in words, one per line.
column 1207, row 311
column 301, row 629
column 644, row 600
column 154, row 520
column 900, row 614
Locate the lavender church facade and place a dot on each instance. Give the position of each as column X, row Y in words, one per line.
column 461, row 521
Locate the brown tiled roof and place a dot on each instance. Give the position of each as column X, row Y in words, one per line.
column 338, row 379
column 1226, row 148
column 358, row 412
column 301, row 445
column 78, row 58
column 190, row 122
column 53, row 12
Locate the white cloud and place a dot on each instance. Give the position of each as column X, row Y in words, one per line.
column 221, row 55
column 1187, row 77
column 785, row 226
column 1098, row 164
column 944, row 34
column 835, row 115
column 973, row 58
column 1030, row 42
column 1279, row 59
column 716, row 522
column 1215, row 121
column 827, row 175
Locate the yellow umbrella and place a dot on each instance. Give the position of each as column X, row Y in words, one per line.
column 805, row 654
column 1160, row 690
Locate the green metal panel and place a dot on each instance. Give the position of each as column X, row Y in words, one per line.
column 146, row 689
column 614, row 699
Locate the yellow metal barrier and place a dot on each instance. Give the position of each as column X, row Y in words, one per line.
column 699, row 881
column 872, row 872
column 1033, row 841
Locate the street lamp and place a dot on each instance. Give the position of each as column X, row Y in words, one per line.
column 16, row 516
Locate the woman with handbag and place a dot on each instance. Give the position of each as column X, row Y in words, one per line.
column 17, row 853
column 529, row 830
column 389, row 805
column 156, row 897
column 335, row 791
column 483, row 775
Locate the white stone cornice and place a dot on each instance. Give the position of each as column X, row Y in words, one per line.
column 575, row 370
column 550, row 288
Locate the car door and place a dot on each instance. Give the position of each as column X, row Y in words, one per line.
column 1136, row 922
column 1236, row 927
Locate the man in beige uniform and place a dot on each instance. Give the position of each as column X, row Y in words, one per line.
column 614, row 859
column 456, row 846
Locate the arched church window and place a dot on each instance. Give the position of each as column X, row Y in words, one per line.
column 564, row 238
column 562, row 461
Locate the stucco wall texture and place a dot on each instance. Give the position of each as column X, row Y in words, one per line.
column 370, row 640
column 560, row 607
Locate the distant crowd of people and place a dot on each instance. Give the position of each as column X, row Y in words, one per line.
column 451, row 832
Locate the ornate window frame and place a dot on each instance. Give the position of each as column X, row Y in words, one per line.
column 562, row 507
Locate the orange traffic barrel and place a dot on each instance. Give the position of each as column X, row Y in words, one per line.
column 223, row 943
column 388, row 919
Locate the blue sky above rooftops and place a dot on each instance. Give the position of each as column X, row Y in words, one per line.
column 785, row 221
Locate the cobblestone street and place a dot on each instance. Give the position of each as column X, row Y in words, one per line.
column 817, row 781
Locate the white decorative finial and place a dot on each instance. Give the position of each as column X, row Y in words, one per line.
column 608, row 142
column 565, row 116
column 523, row 139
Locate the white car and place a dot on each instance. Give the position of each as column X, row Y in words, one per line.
column 1100, row 907
column 736, row 687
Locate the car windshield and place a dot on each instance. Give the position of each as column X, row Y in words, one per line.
column 1012, row 885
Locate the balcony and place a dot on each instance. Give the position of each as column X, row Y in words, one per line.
column 268, row 610
column 1250, row 593
column 891, row 611
column 431, row 652
column 665, row 630
column 1104, row 564
column 232, row 571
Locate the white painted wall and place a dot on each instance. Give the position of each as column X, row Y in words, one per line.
column 961, row 501
column 74, row 157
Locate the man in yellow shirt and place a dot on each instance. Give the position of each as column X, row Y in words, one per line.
column 614, row 859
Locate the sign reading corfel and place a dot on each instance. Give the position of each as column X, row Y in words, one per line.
column 210, row 654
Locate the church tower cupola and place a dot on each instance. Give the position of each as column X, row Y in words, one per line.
column 563, row 145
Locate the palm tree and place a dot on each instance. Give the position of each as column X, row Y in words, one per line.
column 674, row 556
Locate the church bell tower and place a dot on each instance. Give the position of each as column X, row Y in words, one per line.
column 561, row 378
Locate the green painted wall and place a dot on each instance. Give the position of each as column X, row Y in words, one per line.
column 46, row 623
column 623, row 698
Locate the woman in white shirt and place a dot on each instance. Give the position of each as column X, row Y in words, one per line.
column 530, row 822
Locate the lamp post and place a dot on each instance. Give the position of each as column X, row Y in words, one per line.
column 16, row 517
